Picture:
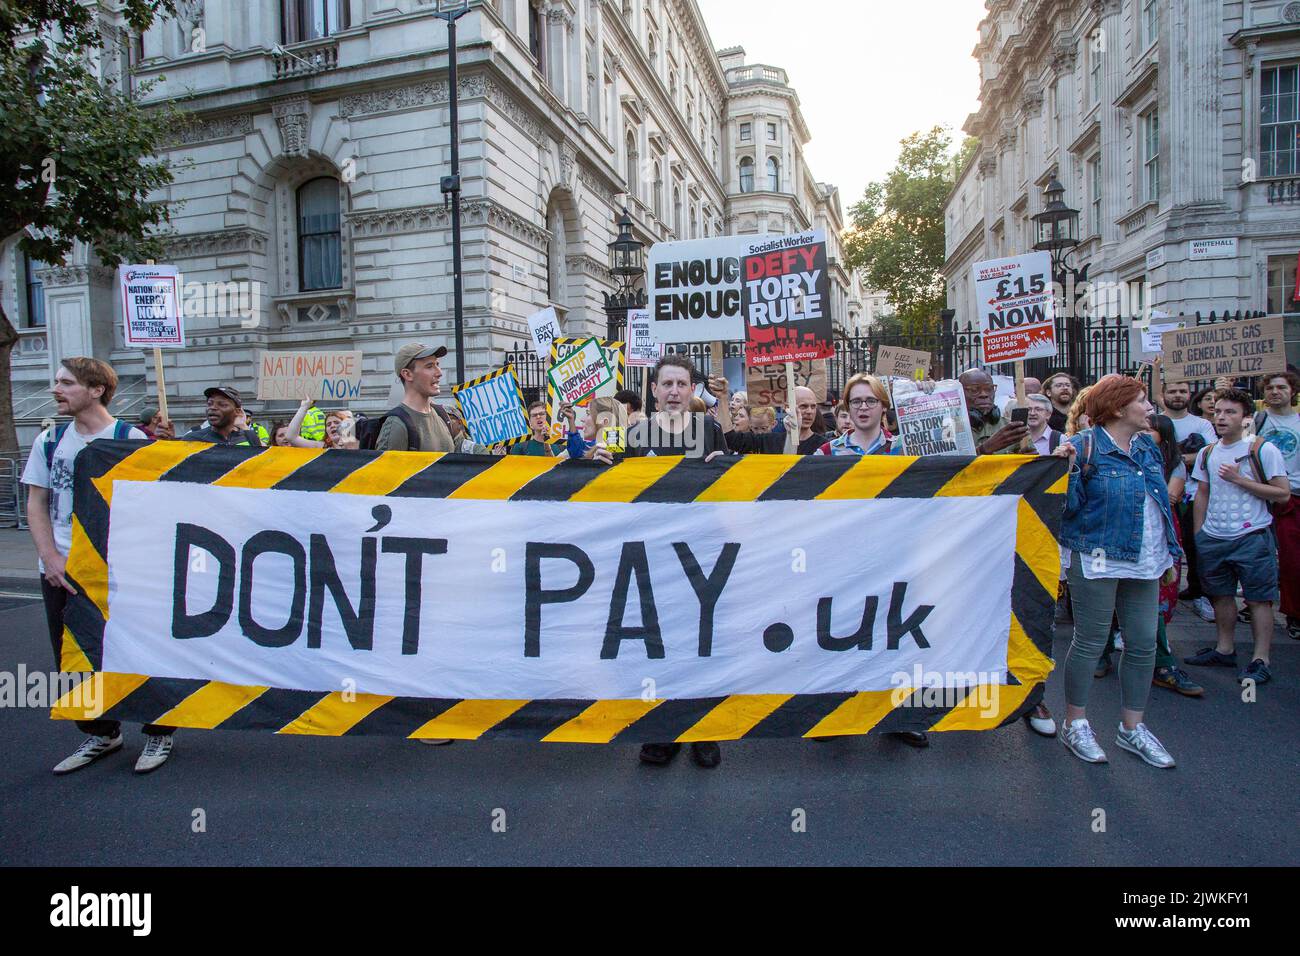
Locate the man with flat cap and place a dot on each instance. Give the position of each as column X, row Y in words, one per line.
column 222, row 426
column 417, row 424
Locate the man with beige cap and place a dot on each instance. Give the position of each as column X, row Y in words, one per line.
column 418, row 424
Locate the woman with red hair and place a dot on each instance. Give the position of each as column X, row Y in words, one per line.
column 1119, row 535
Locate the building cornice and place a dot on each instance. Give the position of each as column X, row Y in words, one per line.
column 218, row 242
column 474, row 212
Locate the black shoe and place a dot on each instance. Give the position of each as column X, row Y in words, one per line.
column 659, row 754
column 706, row 753
column 913, row 738
column 1176, row 679
column 1293, row 628
column 1243, row 615
column 1103, row 666
column 1211, row 657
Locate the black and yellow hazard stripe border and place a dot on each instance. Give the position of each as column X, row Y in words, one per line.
column 507, row 369
column 1038, row 483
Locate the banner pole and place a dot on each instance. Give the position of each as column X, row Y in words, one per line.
column 789, row 388
column 715, row 371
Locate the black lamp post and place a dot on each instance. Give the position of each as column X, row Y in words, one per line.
column 626, row 264
column 451, row 11
column 1056, row 230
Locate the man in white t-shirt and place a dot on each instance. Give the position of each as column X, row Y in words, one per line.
column 1176, row 400
column 1238, row 479
column 1279, row 425
column 83, row 388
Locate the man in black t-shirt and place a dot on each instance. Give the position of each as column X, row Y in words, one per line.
column 674, row 430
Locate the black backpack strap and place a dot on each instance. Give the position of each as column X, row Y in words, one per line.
column 1053, row 440
column 1204, row 460
column 1260, row 419
column 412, row 439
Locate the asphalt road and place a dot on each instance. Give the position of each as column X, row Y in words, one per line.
column 1005, row 797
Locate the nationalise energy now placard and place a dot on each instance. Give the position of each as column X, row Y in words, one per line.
column 151, row 307
column 771, row 291
column 460, row 596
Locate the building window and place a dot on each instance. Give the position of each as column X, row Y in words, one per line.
column 320, row 243
column 746, row 175
column 773, row 175
column 677, row 211
column 1282, row 299
column 632, row 160
column 1094, row 192
column 34, row 300
column 771, row 132
column 746, row 132
column 1151, row 156
column 653, row 52
column 1094, row 69
column 1150, row 22
column 535, row 33
column 695, row 228
column 311, row 19
column 659, row 193
column 672, row 85
column 1279, row 121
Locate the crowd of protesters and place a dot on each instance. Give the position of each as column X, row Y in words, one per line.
column 1157, row 483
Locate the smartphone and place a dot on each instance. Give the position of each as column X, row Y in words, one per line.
column 1020, row 415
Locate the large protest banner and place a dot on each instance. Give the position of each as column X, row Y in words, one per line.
column 493, row 406
column 767, row 385
column 1017, row 308
column 1237, row 349
column 309, row 591
column 325, row 376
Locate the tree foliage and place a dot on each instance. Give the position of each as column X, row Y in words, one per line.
column 74, row 149
column 896, row 236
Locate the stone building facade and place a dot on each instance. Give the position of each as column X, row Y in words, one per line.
column 307, row 207
column 1175, row 129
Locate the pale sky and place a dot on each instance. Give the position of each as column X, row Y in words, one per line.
column 868, row 72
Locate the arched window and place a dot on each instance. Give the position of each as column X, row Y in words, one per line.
column 557, row 250
column 677, row 210
column 695, row 228
column 773, row 175
column 659, row 193
column 632, row 162
column 653, row 53
column 320, row 241
column 672, row 85
column 34, row 300
column 746, row 175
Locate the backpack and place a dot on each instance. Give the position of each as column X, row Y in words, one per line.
column 368, row 428
column 121, row 430
column 1255, row 462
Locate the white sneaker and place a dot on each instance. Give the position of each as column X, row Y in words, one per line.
column 1119, row 640
column 91, row 749
column 157, row 748
column 1143, row 742
column 435, row 741
column 1077, row 735
column 1204, row 609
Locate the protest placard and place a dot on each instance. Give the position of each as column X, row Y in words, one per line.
column 642, row 350
column 1237, row 349
column 1016, row 305
column 544, row 327
column 767, row 384
column 493, row 406
column 893, row 361
column 294, row 598
column 151, row 310
column 933, row 423
column 579, row 373
column 1146, row 339
column 694, row 290
column 324, row 376
column 786, row 300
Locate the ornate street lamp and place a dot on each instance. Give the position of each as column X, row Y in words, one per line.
column 1056, row 230
column 627, row 266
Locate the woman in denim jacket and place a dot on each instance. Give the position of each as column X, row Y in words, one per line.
column 1119, row 535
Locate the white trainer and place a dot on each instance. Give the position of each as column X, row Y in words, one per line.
column 1144, row 743
column 1077, row 735
column 91, row 749
column 157, row 748
column 1204, row 609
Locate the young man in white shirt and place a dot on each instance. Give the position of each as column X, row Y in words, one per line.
column 1279, row 425
column 83, row 388
column 1238, row 479
column 1176, row 400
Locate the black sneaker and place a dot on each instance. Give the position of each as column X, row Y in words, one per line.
column 1103, row 666
column 1210, row 657
column 913, row 738
column 1243, row 615
column 1257, row 671
column 1293, row 628
column 706, row 753
column 659, row 754
column 1176, row 679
